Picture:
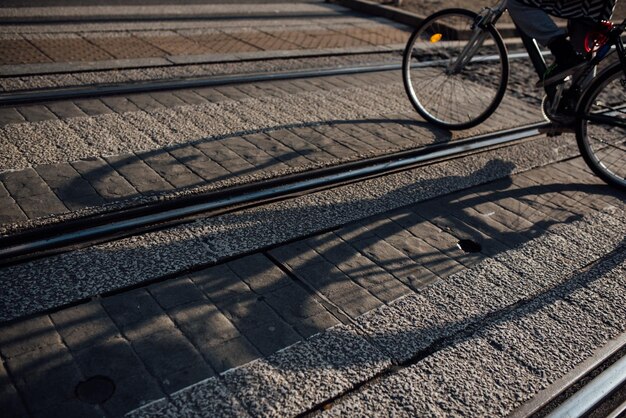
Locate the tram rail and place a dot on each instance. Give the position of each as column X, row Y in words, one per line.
column 48, row 240
column 70, row 93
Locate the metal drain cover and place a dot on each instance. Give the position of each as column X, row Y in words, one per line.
column 469, row 246
column 95, row 390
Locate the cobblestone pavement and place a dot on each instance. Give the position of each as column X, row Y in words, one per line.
column 459, row 288
column 346, row 305
column 72, row 156
column 26, row 49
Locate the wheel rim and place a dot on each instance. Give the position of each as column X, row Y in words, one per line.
column 604, row 138
column 447, row 97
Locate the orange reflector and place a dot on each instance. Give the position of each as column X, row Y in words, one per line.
column 436, row 38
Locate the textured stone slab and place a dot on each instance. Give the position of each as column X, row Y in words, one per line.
column 467, row 378
column 550, row 337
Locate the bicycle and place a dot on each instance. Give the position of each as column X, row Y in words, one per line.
column 456, row 68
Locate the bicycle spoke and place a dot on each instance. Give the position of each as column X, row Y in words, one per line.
column 443, row 95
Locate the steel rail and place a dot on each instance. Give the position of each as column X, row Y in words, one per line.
column 593, row 393
column 551, row 394
column 57, row 94
column 20, row 247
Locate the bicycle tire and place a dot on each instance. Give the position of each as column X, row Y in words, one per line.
column 470, row 78
column 602, row 142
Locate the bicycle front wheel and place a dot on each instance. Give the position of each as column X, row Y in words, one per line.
column 448, row 91
column 601, row 126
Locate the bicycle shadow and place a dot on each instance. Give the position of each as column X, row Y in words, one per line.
column 241, row 157
column 245, row 308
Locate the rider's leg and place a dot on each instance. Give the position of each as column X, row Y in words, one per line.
column 534, row 22
column 537, row 24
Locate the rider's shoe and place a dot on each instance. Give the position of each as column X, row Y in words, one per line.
column 556, row 72
column 568, row 61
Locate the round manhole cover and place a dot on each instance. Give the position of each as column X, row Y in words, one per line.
column 469, row 246
column 95, row 390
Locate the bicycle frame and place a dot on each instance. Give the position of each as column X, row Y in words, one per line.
column 491, row 15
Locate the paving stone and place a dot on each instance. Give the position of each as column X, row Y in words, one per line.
column 74, row 191
column 175, row 292
column 249, row 152
column 10, row 401
column 199, row 163
column 189, row 97
column 70, row 409
column 295, row 254
column 539, row 198
column 9, row 210
column 119, row 104
column 170, row 169
column 36, row 113
column 106, row 181
column 67, row 48
column 462, row 230
column 131, row 307
column 287, row 155
column 232, row 93
column 84, row 325
column 361, row 269
column 64, row 110
column 220, row 284
column 205, row 326
column 138, row 173
column 167, row 353
column 93, row 107
column 220, row 153
column 396, row 262
column 45, row 376
column 261, row 274
column 10, row 115
column 230, row 354
column 129, row 396
column 31, row 193
column 211, row 94
column 95, row 360
column 301, row 310
column 27, row 335
column 293, row 141
column 337, row 287
column 554, row 193
column 168, row 99
column 423, row 254
column 314, row 324
column 271, row 336
column 145, row 102
column 186, row 377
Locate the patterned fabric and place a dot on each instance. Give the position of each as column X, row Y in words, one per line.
column 574, row 9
